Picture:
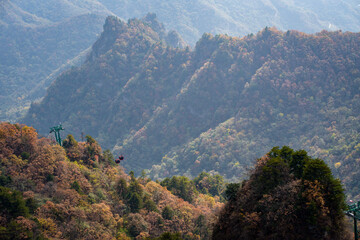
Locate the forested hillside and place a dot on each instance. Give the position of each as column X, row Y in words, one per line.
column 41, row 38
column 289, row 195
column 37, row 39
column 215, row 108
column 76, row 192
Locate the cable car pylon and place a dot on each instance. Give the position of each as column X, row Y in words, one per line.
column 57, row 130
column 353, row 212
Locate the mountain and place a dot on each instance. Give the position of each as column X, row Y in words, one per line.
column 215, row 108
column 40, row 39
column 192, row 19
column 18, row 12
column 26, row 65
column 12, row 14
column 249, row 94
column 119, row 52
column 77, row 192
column 239, row 18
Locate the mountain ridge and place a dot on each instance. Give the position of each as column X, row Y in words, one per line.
column 191, row 20
column 214, row 108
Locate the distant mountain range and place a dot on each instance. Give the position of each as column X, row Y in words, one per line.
column 40, row 39
column 216, row 108
column 238, row 18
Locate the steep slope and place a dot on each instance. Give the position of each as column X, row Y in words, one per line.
column 116, row 83
column 77, row 192
column 277, row 88
column 10, row 14
column 36, row 39
column 192, row 19
column 42, row 20
column 60, row 10
column 299, row 96
column 214, row 108
column 24, row 64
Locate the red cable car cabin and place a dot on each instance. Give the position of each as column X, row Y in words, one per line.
column 118, row 160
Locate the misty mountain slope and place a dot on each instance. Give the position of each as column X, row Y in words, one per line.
column 13, row 15
column 214, row 108
column 25, row 63
column 117, row 72
column 60, row 10
column 190, row 19
column 239, row 18
column 38, row 37
column 291, row 99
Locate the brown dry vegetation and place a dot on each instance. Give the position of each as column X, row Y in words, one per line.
column 76, row 192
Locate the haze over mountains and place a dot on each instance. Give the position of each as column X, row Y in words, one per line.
column 40, row 39
column 202, row 107
column 216, row 108
column 176, row 101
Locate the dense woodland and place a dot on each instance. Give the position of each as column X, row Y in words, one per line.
column 289, row 195
column 76, row 192
column 217, row 107
column 35, row 48
column 192, row 117
column 40, row 39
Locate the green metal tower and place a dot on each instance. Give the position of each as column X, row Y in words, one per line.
column 57, row 130
column 353, row 212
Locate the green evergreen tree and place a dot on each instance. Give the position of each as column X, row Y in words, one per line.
column 69, row 142
column 135, row 187
column 12, row 203
column 76, row 186
column 135, row 202
column 231, row 191
column 167, row 213
column 122, row 188
column 108, row 157
column 150, row 205
column 180, row 186
column 169, row 236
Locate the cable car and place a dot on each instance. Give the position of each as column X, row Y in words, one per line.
column 118, row 160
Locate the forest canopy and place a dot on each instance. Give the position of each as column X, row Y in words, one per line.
column 78, row 192
column 214, row 108
column 289, row 195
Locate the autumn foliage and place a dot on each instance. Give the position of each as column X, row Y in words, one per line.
column 289, row 195
column 216, row 107
column 76, row 192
